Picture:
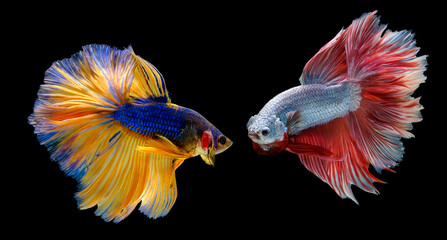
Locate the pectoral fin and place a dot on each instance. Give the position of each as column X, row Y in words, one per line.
column 293, row 120
column 161, row 145
column 312, row 150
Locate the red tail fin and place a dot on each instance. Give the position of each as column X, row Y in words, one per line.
column 389, row 72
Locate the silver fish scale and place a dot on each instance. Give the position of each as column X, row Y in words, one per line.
column 318, row 103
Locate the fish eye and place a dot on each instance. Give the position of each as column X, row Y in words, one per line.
column 222, row 140
column 265, row 132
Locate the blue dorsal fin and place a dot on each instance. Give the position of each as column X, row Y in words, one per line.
column 161, row 99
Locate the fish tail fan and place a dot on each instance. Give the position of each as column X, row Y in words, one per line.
column 75, row 105
column 384, row 65
column 74, row 118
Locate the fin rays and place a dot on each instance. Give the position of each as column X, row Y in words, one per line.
column 149, row 83
column 73, row 118
column 118, row 180
column 385, row 65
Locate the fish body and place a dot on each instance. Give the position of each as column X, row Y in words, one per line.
column 106, row 117
column 317, row 104
column 352, row 108
column 180, row 125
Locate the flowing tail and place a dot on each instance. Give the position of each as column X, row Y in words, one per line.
column 73, row 118
column 385, row 65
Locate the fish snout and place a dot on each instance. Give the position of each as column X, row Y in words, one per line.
column 253, row 135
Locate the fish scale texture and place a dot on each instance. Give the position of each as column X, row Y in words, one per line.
column 152, row 119
column 317, row 103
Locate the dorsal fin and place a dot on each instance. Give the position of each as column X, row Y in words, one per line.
column 328, row 66
column 148, row 83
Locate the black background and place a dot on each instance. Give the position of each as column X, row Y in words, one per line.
column 225, row 61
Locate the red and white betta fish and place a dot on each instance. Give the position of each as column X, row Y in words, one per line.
column 352, row 108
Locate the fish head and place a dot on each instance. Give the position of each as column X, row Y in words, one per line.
column 265, row 129
column 207, row 139
column 213, row 142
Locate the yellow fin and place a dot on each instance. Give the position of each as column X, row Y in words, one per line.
column 163, row 146
column 119, row 178
column 177, row 163
column 160, row 151
column 148, row 81
column 209, row 158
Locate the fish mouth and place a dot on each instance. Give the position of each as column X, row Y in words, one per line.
column 227, row 145
column 253, row 135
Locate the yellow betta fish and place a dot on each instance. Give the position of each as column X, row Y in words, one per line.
column 106, row 117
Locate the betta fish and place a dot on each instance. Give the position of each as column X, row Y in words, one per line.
column 351, row 109
column 106, row 117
